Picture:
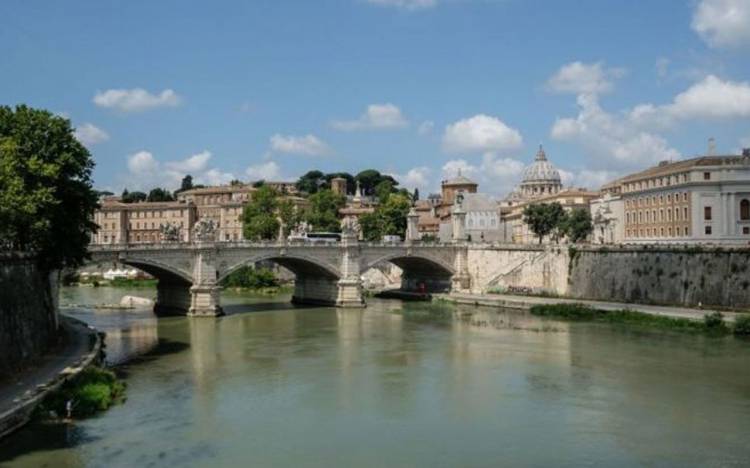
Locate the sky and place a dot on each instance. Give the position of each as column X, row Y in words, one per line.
column 269, row 89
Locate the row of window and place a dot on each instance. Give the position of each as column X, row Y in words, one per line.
column 652, row 200
column 661, row 232
column 662, row 181
column 156, row 214
column 650, row 216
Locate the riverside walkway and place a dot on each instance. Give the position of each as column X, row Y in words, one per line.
column 18, row 397
column 511, row 301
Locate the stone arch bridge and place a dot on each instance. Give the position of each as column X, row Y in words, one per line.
column 189, row 273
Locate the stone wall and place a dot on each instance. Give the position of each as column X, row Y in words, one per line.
column 28, row 312
column 648, row 274
column 658, row 275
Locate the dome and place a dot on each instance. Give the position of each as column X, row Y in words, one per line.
column 541, row 170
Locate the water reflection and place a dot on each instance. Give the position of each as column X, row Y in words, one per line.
column 402, row 385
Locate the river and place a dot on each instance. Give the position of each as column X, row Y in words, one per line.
column 399, row 384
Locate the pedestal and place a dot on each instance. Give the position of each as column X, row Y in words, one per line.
column 204, row 301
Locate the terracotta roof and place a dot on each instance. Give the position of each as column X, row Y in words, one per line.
column 219, row 189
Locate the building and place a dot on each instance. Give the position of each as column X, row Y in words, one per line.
column 700, row 200
column 482, row 218
column 541, row 183
column 608, row 215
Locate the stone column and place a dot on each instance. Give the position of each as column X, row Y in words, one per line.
column 461, row 280
column 458, row 219
column 412, row 228
column 204, row 294
column 350, row 284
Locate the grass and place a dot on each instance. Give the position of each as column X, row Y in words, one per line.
column 93, row 390
column 742, row 325
column 712, row 324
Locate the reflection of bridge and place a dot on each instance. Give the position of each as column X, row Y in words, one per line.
column 189, row 273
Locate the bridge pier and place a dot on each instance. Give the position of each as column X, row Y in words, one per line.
column 172, row 298
column 204, row 301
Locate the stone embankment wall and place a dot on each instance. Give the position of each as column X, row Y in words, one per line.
column 28, row 312
column 647, row 274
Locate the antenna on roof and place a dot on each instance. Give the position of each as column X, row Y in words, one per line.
column 712, row 146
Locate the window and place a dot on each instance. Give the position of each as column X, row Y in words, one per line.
column 746, row 230
column 745, row 210
column 686, row 230
column 685, row 213
column 708, row 230
column 684, row 196
column 706, row 176
column 662, row 232
column 627, row 218
column 707, row 213
column 676, row 214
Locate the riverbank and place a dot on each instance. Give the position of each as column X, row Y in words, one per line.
column 508, row 301
column 82, row 347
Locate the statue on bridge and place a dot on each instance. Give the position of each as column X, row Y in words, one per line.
column 350, row 227
column 169, row 232
column 205, row 230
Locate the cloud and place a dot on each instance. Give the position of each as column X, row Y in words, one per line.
column 405, row 4
column 611, row 138
column 136, row 99
column 723, row 23
column 376, row 117
column 309, row 145
column 268, row 170
column 146, row 172
column 584, row 78
column 494, row 174
column 425, row 128
column 89, row 134
column 417, row 177
column 480, row 133
column 710, row 98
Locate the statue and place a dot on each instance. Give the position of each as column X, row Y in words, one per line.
column 169, row 232
column 350, row 227
column 205, row 230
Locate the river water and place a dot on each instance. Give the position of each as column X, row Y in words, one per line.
column 399, row 384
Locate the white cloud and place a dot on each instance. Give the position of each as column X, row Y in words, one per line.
column 584, row 78
column 480, row 133
column 307, row 145
column 723, row 23
column 425, row 128
column 405, row 4
column 711, row 98
column 494, row 175
column 377, row 116
column 611, row 139
column 89, row 134
column 417, row 177
column 268, row 170
column 195, row 163
column 146, row 172
column 136, row 99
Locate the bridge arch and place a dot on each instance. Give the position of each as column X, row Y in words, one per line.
column 418, row 271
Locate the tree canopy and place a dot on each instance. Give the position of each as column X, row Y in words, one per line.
column 47, row 201
column 370, row 179
column 159, row 195
column 311, row 182
column 259, row 217
column 543, row 218
column 133, row 197
column 323, row 214
column 388, row 219
column 577, row 225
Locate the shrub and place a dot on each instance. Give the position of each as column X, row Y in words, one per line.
column 742, row 325
column 714, row 321
column 248, row 277
column 93, row 390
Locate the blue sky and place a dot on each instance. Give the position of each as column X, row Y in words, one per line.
column 416, row 88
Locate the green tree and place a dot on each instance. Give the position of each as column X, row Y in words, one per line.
column 159, row 195
column 133, row 197
column 369, row 179
column 259, row 183
column 310, row 182
column 187, row 184
column 415, row 197
column 289, row 215
column 577, row 225
column 383, row 190
column 388, row 219
column 259, row 216
column 47, row 201
column 543, row 218
column 323, row 214
column 351, row 184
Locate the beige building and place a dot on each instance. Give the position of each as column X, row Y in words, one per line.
column 142, row 222
column 704, row 199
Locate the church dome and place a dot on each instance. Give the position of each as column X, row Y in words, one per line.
column 541, row 170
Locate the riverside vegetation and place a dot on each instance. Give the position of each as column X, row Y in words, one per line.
column 95, row 389
column 712, row 324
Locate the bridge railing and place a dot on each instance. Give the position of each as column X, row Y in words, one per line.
column 256, row 244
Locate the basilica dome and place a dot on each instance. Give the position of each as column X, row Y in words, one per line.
column 541, row 170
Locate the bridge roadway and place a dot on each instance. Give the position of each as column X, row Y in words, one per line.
column 189, row 273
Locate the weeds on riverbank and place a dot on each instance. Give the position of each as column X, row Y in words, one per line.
column 94, row 389
column 712, row 324
column 742, row 326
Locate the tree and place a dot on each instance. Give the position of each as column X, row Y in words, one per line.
column 577, row 225
column 542, row 218
column 323, row 214
column 187, row 183
column 159, row 195
column 415, row 197
column 351, row 184
column 236, row 182
column 369, row 179
column 259, row 183
column 289, row 216
column 388, row 219
column 259, row 217
column 133, row 197
column 383, row 190
column 47, row 201
column 310, row 182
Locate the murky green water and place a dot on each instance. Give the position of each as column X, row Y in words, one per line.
column 400, row 385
